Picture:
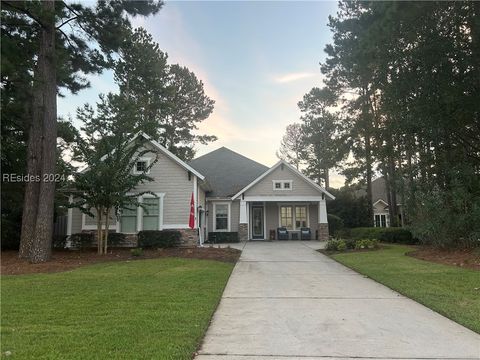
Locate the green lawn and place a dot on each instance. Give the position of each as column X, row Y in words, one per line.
column 451, row 291
column 147, row 309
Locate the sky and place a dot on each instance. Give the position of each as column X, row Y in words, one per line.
column 256, row 59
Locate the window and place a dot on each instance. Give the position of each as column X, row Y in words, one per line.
column 221, row 217
column 141, row 166
column 380, row 220
column 282, row 184
column 286, row 217
column 151, row 213
column 128, row 221
column 300, row 217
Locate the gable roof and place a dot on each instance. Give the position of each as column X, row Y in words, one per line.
column 308, row 180
column 164, row 150
column 227, row 171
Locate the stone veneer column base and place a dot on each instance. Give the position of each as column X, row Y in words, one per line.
column 322, row 232
column 189, row 237
column 243, row 232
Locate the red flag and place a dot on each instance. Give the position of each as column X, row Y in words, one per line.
column 191, row 221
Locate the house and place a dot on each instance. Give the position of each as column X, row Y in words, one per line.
column 380, row 203
column 232, row 195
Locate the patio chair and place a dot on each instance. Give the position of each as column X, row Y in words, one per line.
column 282, row 233
column 305, row 234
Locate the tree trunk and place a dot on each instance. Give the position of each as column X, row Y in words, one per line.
column 39, row 197
column 368, row 164
column 327, row 178
column 99, row 230
column 107, row 220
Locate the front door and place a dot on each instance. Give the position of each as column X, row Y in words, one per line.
column 257, row 222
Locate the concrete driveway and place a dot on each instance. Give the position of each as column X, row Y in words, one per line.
column 284, row 300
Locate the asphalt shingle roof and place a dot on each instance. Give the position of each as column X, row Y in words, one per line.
column 226, row 171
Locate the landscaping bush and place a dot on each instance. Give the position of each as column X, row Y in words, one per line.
column 341, row 245
column 332, row 245
column 59, row 241
column 222, row 237
column 116, row 239
column 350, row 243
column 390, row 235
column 82, row 241
column 159, row 238
column 335, row 224
column 366, row 244
column 137, row 252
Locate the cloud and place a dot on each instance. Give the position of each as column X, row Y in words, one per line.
column 295, row 76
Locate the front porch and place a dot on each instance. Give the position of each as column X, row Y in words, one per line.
column 260, row 217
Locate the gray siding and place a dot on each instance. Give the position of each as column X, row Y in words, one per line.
column 313, row 217
column 300, row 187
column 271, row 217
column 234, row 214
column 172, row 180
column 76, row 221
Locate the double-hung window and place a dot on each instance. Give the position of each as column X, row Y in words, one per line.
column 128, row 220
column 286, row 217
column 221, row 217
column 151, row 213
column 300, row 217
column 380, row 220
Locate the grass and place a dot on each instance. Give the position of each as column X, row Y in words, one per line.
column 148, row 309
column 451, row 291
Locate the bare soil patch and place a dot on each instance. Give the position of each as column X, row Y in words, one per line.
column 67, row 260
column 467, row 258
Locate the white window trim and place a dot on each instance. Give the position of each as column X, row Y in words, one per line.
column 145, row 159
column 293, row 205
column 112, row 226
column 387, row 219
column 119, row 221
column 160, row 197
column 282, row 186
column 215, row 216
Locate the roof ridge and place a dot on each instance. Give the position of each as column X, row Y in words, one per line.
column 232, row 151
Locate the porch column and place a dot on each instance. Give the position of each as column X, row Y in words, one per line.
column 243, row 223
column 322, row 221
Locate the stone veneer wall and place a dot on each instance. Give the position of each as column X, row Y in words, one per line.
column 322, row 232
column 189, row 238
column 243, row 232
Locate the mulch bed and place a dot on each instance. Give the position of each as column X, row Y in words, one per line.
column 67, row 260
column 467, row 258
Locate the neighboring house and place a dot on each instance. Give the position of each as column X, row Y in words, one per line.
column 232, row 194
column 381, row 214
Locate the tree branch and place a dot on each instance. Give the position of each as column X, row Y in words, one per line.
column 25, row 12
column 66, row 22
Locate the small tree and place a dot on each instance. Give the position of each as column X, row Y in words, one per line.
column 292, row 145
column 105, row 184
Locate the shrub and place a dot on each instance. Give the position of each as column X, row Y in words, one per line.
column 59, row 241
column 137, row 252
column 366, row 244
column 335, row 224
column 116, row 239
column 341, row 245
column 222, row 237
column 159, row 238
column 82, row 241
column 390, row 235
column 331, row 245
column 350, row 243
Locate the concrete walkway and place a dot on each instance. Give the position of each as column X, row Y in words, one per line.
column 284, row 300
